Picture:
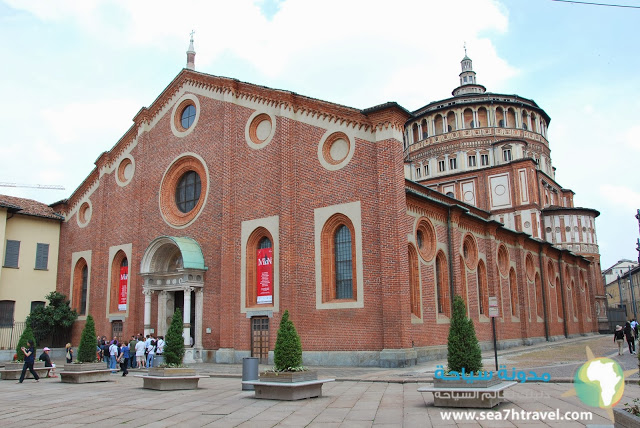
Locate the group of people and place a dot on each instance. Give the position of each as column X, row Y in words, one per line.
column 628, row 332
column 137, row 352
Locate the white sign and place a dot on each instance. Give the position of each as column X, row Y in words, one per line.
column 493, row 307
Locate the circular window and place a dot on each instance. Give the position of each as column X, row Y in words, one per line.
column 470, row 252
column 335, row 150
column 84, row 214
column 426, row 239
column 186, row 112
column 125, row 171
column 184, row 190
column 503, row 260
column 188, row 191
column 188, row 116
column 260, row 130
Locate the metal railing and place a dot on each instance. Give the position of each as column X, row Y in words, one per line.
column 10, row 335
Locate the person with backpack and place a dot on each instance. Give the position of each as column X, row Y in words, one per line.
column 151, row 351
column 631, row 341
column 618, row 337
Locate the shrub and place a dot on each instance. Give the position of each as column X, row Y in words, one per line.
column 56, row 316
column 287, row 354
column 26, row 335
column 463, row 349
column 88, row 343
column 174, row 342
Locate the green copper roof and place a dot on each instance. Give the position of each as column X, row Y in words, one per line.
column 192, row 257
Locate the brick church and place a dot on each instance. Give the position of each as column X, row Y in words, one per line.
column 234, row 202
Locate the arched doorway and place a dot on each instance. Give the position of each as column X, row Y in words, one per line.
column 173, row 267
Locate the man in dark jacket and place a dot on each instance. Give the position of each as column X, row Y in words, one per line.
column 630, row 339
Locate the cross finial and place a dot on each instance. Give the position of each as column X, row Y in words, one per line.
column 192, row 33
column 465, row 48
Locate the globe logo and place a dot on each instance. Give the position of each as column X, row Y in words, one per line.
column 600, row 383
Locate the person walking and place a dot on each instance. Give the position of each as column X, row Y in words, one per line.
column 29, row 358
column 113, row 356
column 132, row 351
column 47, row 362
column 618, row 337
column 69, row 353
column 631, row 341
column 123, row 358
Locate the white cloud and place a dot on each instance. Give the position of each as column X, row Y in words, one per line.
column 622, row 196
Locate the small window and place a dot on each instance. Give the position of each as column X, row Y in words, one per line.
column 418, row 172
column 343, row 263
column 441, row 166
column 425, row 134
column 12, row 253
column 453, row 163
column 484, row 160
column 426, row 170
column 6, row 312
column 85, row 289
column 472, row 160
column 188, row 116
column 506, row 155
column 464, row 79
column 188, row 191
column 37, row 304
column 501, row 123
column 450, row 194
column 472, row 124
column 42, row 256
column 524, row 126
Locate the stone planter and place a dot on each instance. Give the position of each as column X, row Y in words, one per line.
column 85, row 373
column 288, row 377
column 18, row 365
column 170, row 378
column 624, row 419
column 13, row 370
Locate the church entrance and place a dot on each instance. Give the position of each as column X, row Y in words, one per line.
column 178, row 303
column 260, row 338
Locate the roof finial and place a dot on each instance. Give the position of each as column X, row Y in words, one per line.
column 191, row 54
column 465, row 48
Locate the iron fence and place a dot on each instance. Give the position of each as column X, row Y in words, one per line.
column 10, row 334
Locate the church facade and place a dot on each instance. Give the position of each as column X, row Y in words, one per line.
column 234, row 202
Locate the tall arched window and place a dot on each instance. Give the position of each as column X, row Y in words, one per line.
column 80, row 286
column 483, row 289
column 414, row 281
column 119, row 282
column 442, row 284
column 560, row 315
column 259, row 240
column 344, row 262
column 338, row 259
column 539, row 301
column 513, row 287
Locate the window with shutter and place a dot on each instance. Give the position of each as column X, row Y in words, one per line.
column 12, row 253
column 42, row 256
column 6, row 312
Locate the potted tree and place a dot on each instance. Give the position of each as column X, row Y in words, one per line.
column 86, row 369
column 289, row 379
column 172, row 374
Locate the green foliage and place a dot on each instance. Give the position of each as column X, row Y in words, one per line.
column 287, row 355
column 44, row 320
column 88, row 343
column 26, row 335
column 174, row 342
column 463, row 349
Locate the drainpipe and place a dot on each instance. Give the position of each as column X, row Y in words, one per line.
column 564, row 306
column 544, row 296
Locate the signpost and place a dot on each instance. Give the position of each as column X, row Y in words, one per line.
column 493, row 313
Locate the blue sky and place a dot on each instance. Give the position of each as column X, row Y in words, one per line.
column 74, row 74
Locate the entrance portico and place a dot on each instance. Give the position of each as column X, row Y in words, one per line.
column 170, row 265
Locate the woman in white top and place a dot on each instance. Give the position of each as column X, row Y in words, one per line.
column 151, row 350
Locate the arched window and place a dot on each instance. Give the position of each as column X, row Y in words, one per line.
column 414, row 282
column 438, row 124
column 188, row 191
column 451, row 121
column 560, row 315
column 260, row 258
column 415, row 135
column 442, row 284
column 468, row 118
column 513, row 288
column 483, row 289
column 80, row 286
column 483, row 117
column 119, row 282
column 338, row 256
column 539, row 301
column 425, row 129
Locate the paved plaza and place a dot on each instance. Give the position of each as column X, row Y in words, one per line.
column 361, row 397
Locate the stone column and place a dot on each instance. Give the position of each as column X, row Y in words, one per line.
column 199, row 316
column 147, row 310
column 186, row 316
column 162, row 313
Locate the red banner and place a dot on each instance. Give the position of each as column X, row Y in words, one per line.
column 122, row 292
column 264, row 276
